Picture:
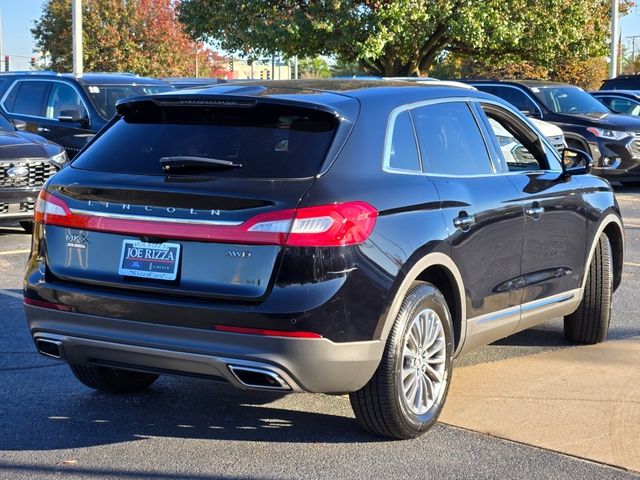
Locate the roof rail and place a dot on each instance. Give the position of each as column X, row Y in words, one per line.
column 29, row 72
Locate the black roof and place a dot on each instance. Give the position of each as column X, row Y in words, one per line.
column 525, row 83
column 624, row 93
column 339, row 95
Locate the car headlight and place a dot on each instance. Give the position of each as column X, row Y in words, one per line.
column 60, row 158
column 608, row 134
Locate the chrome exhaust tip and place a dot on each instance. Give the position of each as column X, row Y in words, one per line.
column 259, row 378
column 49, row 348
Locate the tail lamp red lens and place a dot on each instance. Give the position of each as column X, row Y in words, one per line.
column 337, row 224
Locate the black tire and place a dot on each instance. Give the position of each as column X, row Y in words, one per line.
column 381, row 406
column 27, row 226
column 112, row 380
column 589, row 324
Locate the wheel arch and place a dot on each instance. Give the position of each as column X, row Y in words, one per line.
column 440, row 270
column 612, row 226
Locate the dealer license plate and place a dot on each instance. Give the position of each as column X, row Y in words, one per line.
column 158, row 261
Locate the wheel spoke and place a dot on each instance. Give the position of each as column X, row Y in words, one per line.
column 422, row 368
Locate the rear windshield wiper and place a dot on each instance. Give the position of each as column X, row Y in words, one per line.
column 180, row 162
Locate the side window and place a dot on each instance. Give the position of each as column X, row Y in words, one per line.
column 27, row 98
column 64, row 101
column 450, row 140
column 515, row 154
column 516, row 98
column 519, row 146
column 403, row 152
column 622, row 105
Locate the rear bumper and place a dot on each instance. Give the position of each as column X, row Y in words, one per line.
column 311, row 365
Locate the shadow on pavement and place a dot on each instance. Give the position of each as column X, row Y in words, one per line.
column 79, row 472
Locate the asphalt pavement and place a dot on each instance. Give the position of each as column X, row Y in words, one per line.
column 51, row 426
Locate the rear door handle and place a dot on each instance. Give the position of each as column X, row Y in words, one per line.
column 43, row 129
column 534, row 211
column 464, row 222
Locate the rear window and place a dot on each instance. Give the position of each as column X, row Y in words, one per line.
column 268, row 141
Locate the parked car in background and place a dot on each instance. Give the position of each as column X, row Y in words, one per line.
column 553, row 133
column 192, row 82
column 68, row 109
column 622, row 82
column 317, row 236
column 612, row 140
column 26, row 163
column 625, row 102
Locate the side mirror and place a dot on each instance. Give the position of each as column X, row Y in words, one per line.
column 19, row 124
column 531, row 113
column 73, row 116
column 575, row 162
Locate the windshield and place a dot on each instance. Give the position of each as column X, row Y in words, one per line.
column 105, row 97
column 571, row 100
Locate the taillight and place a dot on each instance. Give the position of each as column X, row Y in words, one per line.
column 321, row 226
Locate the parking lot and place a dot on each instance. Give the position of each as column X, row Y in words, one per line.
column 555, row 413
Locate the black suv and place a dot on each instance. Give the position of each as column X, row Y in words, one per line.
column 612, row 140
column 328, row 236
column 26, row 163
column 622, row 82
column 69, row 109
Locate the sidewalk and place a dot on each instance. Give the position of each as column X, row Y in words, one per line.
column 581, row 401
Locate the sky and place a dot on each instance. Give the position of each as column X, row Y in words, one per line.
column 18, row 16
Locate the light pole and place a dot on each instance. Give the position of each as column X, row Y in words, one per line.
column 76, row 21
column 613, row 65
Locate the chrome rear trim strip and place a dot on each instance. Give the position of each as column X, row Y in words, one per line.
column 189, row 221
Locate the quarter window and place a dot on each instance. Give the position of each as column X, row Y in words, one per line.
column 64, row 101
column 450, row 140
column 403, row 154
column 27, row 98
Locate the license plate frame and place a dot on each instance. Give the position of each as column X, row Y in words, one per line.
column 155, row 261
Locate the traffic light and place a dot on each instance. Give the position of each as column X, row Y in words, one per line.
column 6, row 63
column 33, row 62
column 261, row 74
column 231, row 64
column 268, row 75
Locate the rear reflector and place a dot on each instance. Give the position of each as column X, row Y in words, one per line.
column 45, row 304
column 320, row 226
column 266, row 333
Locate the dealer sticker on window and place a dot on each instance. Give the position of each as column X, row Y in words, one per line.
column 158, row 261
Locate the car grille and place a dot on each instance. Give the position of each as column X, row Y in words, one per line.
column 23, row 207
column 634, row 146
column 557, row 142
column 38, row 173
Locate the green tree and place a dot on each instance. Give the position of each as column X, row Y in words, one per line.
column 316, row 67
column 139, row 36
column 403, row 37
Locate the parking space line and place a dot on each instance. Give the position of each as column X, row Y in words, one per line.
column 14, row 252
column 11, row 294
column 632, row 264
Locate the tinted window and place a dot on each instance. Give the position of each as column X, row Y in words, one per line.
column 27, row 98
column 268, row 141
column 64, row 101
column 105, row 97
column 622, row 105
column 514, row 96
column 621, row 84
column 403, row 154
column 450, row 140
